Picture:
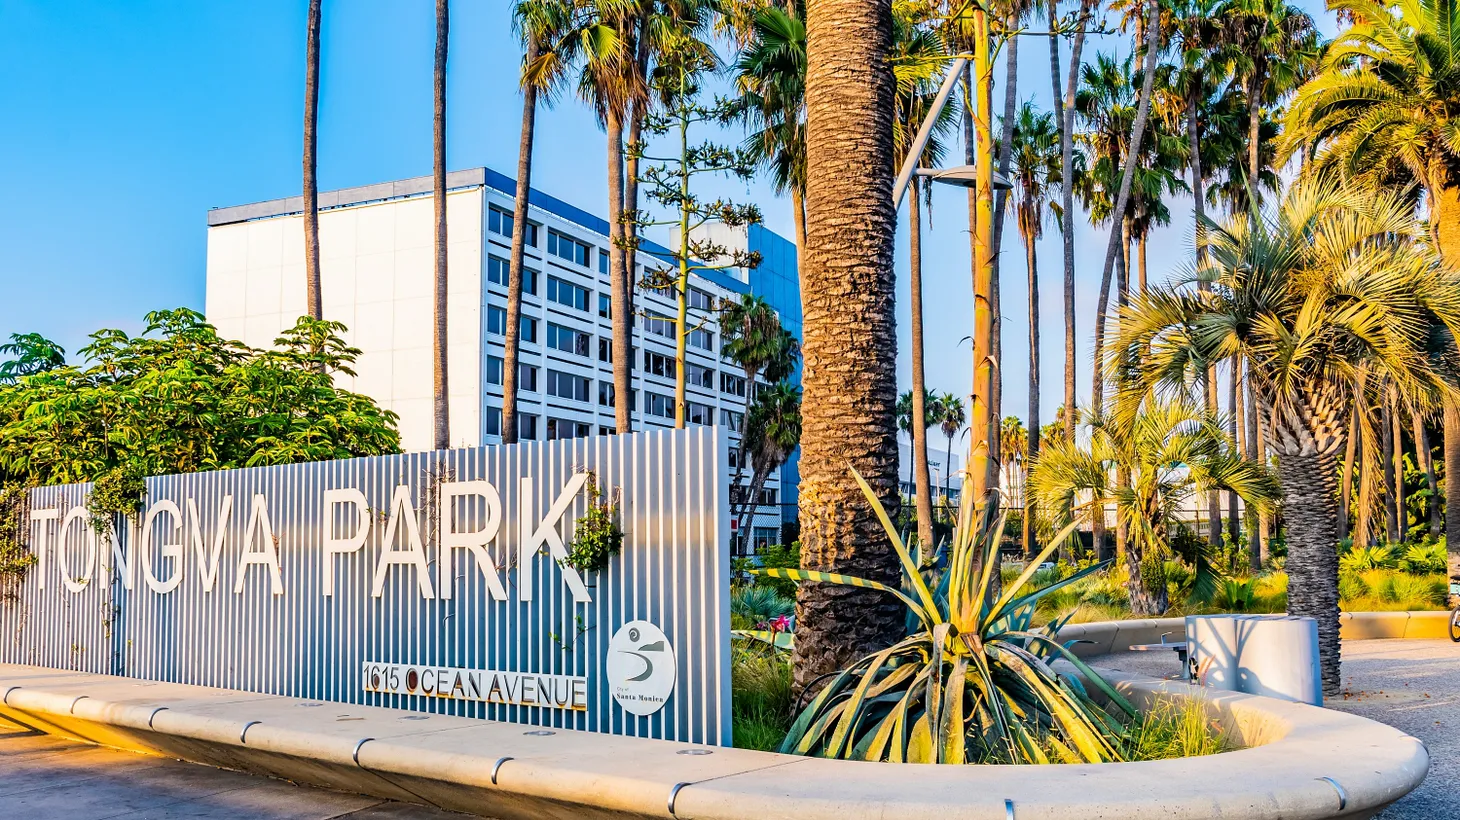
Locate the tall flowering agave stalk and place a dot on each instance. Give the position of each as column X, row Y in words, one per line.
column 972, row 682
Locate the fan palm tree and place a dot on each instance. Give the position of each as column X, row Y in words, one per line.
column 442, row 425
column 1035, row 168
column 850, row 335
column 1171, row 451
column 1383, row 110
column 1328, row 285
column 772, row 433
column 951, row 418
column 535, row 21
column 314, row 300
column 595, row 40
column 771, row 78
column 1275, row 47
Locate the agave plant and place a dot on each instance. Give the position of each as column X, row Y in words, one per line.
column 972, row 682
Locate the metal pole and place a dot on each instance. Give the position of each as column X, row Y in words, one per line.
column 910, row 163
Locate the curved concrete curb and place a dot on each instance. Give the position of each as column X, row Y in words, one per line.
column 1306, row 763
column 1105, row 637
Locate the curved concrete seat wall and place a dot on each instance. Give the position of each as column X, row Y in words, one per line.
column 1105, row 637
column 1303, row 764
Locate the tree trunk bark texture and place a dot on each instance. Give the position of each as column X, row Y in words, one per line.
column 1030, row 251
column 922, row 483
column 1452, row 487
column 314, row 299
column 1426, row 462
column 442, row 424
column 1067, row 192
column 1391, row 484
column 849, row 347
column 618, row 277
column 512, row 350
column 1312, row 565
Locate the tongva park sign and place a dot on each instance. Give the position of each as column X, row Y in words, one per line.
column 431, row 581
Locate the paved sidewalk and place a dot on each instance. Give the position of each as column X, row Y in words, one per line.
column 44, row 777
column 1413, row 686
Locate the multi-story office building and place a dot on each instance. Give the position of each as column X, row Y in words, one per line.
column 376, row 269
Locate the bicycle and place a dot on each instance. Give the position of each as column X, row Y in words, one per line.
column 1455, row 611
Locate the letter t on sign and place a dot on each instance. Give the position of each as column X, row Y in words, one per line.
column 335, row 546
column 532, row 540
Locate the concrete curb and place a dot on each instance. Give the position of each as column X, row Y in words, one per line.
column 1305, row 763
column 1105, row 637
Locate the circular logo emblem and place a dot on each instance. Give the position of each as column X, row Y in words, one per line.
column 641, row 668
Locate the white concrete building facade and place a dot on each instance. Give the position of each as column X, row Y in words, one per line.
column 376, row 270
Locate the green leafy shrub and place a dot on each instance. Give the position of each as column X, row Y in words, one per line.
column 761, row 700
column 779, row 556
column 15, row 557
column 1425, row 559
column 597, row 536
column 1236, row 594
column 973, row 682
column 180, row 399
column 1351, row 587
column 754, row 605
column 1359, row 559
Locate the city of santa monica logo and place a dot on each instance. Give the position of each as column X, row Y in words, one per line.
column 641, row 668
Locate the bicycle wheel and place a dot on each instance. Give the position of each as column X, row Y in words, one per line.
column 1455, row 625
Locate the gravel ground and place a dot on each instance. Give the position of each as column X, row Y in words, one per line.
column 1413, row 686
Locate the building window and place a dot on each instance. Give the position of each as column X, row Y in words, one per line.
column 567, row 385
column 605, row 306
column 701, row 300
column 603, row 261
column 499, row 272
column 699, row 376
column 657, row 364
column 497, row 324
column 499, row 222
column 604, row 430
column 731, row 419
column 567, row 248
column 526, row 424
column 606, row 395
column 657, row 405
column 566, row 428
column 659, row 326
column 605, row 349
column 732, row 384
column 766, row 498
column 568, row 340
column 734, row 460
column 526, row 374
column 567, row 294
column 696, row 413
column 702, row 339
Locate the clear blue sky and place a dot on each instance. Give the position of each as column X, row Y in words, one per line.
column 125, row 122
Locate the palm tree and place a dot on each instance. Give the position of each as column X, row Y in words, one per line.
column 314, row 301
column 1170, row 451
column 772, row 431
column 535, row 20
column 1274, row 48
column 596, row 40
column 951, row 418
column 916, row 53
column 753, row 338
column 1383, row 110
column 1014, row 461
column 1324, row 287
column 771, row 79
column 1035, row 169
column 850, row 379
column 442, row 425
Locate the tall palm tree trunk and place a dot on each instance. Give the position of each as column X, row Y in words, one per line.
column 921, row 482
column 1133, row 153
column 1426, row 462
column 798, row 219
column 1452, row 486
column 513, row 349
column 1364, row 519
column 618, row 278
column 442, row 426
column 314, row 299
column 1252, row 451
column 849, row 379
column 996, row 238
column 1067, row 197
column 1346, row 475
column 1234, row 429
column 1032, row 261
column 1391, row 481
column 1199, row 217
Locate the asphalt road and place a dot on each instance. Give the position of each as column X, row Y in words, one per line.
column 1413, row 686
column 43, row 777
